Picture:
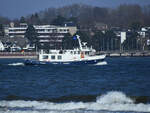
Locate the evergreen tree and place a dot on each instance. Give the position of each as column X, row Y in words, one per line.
column 31, row 34
column 70, row 43
column 67, row 42
column 84, row 37
column 98, row 41
column 131, row 41
column 59, row 20
column 1, row 30
column 22, row 20
column 135, row 26
column 109, row 41
column 34, row 19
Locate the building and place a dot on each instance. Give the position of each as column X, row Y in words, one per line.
column 13, row 31
column 1, row 46
column 101, row 26
column 47, row 34
column 42, row 30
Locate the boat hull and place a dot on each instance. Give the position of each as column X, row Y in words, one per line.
column 82, row 62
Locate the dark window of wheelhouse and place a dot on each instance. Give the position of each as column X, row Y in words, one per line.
column 45, row 56
column 60, row 52
column 86, row 52
column 53, row 57
column 59, row 57
column 78, row 52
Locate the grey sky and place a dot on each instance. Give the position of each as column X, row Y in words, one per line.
column 17, row 8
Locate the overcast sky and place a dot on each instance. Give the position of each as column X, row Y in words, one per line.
column 17, row 8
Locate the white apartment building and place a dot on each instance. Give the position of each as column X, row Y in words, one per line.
column 41, row 30
column 46, row 33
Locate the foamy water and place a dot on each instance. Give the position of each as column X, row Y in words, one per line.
column 16, row 64
column 110, row 102
column 101, row 63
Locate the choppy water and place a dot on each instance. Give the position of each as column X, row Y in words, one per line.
column 122, row 85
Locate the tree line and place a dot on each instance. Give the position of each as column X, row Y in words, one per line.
column 85, row 17
column 124, row 15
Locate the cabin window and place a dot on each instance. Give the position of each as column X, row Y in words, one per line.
column 60, row 52
column 59, row 57
column 86, row 52
column 45, row 56
column 74, row 52
column 71, row 52
column 53, row 57
column 78, row 52
column 46, row 51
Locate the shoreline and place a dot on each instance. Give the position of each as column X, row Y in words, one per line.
column 25, row 55
column 127, row 54
column 33, row 55
column 18, row 57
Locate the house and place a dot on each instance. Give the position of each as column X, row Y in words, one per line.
column 1, row 46
column 29, row 47
column 101, row 26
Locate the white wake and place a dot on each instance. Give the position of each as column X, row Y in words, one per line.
column 16, row 64
column 101, row 63
column 112, row 101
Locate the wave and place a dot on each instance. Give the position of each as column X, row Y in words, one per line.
column 101, row 63
column 16, row 64
column 110, row 102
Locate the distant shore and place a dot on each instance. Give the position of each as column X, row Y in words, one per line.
column 127, row 54
column 33, row 55
column 25, row 55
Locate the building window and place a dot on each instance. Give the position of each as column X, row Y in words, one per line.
column 59, row 57
column 54, row 31
column 45, row 56
column 53, row 57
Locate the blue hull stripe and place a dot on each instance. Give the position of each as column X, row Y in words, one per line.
column 85, row 62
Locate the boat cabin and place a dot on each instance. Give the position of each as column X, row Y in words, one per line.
column 64, row 55
column 83, row 52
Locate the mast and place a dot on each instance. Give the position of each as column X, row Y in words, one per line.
column 80, row 45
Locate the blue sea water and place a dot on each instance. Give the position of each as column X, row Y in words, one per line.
column 119, row 85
